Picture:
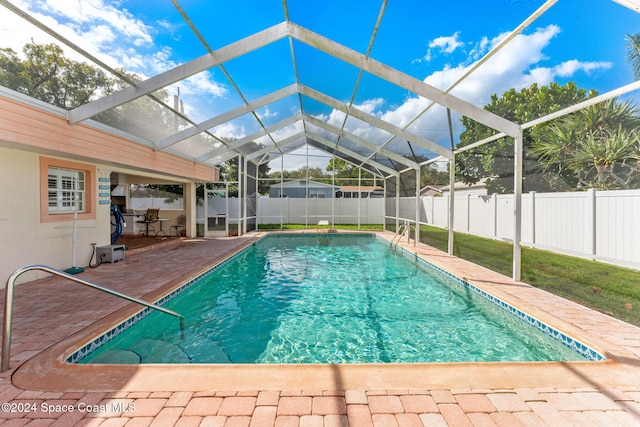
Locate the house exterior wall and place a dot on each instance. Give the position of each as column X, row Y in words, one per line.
column 31, row 240
column 297, row 189
column 34, row 135
column 301, row 192
column 29, row 127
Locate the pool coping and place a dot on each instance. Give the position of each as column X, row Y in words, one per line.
column 49, row 371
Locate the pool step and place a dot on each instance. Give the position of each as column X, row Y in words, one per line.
column 202, row 349
column 159, row 351
column 120, row 357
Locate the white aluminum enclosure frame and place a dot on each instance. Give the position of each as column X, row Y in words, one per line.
column 394, row 163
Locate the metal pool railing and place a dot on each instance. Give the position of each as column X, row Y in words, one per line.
column 402, row 231
column 8, row 305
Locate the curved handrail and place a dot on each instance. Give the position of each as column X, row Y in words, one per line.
column 8, row 304
column 401, row 232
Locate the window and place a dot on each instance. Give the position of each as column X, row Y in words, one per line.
column 66, row 190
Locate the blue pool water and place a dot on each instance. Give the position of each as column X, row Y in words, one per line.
column 329, row 299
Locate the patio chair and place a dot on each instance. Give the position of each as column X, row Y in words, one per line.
column 181, row 223
column 151, row 217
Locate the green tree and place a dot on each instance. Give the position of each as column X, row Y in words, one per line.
column 494, row 161
column 314, row 173
column 45, row 74
column 599, row 145
column 346, row 173
column 430, row 175
column 229, row 173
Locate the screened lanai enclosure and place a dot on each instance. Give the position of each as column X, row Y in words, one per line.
column 333, row 91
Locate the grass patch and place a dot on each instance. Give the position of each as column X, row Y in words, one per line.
column 604, row 287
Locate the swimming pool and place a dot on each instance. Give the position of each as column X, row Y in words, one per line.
column 332, row 299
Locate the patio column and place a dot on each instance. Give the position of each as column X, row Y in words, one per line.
column 245, row 198
column 333, row 191
column 359, row 194
column 258, row 202
column 306, row 194
column 240, row 193
column 190, row 208
column 452, row 182
column 384, row 203
column 451, row 216
column 397, row 202
column 417, row 230
column 517, row 211
column 281, row 192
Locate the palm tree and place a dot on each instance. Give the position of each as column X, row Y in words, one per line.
column 597, row 147
column 633, row 53
column 609, row 160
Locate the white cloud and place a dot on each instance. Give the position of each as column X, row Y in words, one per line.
column 569, row 68
column 114, row 36
column 336, row 118
column 446, row 44
column 442, row 44
column 93, row 12
column 267, row 114
column 286, row 132
column 517, row 65
column 370, row 106
column 202, row 83
column 479, row 49
column 291, row 161
column 94, row 25
column 100, row 35
column 230, row 130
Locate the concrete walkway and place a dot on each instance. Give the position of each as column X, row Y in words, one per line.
column 49, row 310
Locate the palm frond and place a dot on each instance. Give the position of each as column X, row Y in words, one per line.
column 633, row 53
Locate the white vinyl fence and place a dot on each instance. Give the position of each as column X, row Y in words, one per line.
column 140, row 203
column 310, row 211
column 301, row 211
column 602, row 225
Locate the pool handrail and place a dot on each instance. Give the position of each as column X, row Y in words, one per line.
column 8, row 305
column 402, row 231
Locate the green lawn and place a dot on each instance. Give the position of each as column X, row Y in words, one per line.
column 603, row 287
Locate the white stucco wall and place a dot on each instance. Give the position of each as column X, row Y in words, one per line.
column 25, row 239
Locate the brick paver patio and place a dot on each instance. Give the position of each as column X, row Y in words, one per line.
column 49, row 310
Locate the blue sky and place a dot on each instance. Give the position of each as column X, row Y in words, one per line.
column 576, row 40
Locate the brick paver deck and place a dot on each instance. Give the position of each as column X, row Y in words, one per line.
column 49, row 310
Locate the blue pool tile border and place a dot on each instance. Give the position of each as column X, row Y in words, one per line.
column 572, row 343
column 86, row 349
